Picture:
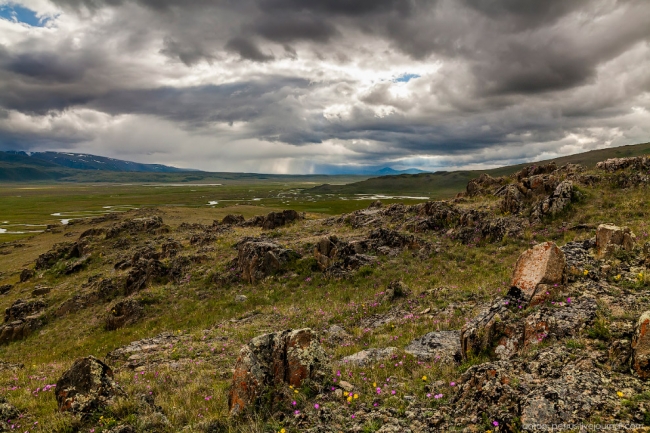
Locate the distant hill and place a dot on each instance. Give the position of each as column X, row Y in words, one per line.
column 445, row 184
column 82, row 161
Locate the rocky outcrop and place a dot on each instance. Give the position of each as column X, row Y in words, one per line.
column 484, row 184
column 21, row 319
column 124, row 313
column 610, row 238
column 259, row 259
column 393, row 239
column 5, row 288
column 152, row 225
column 26, row 275
column 232, row 219
column 641, row 347
column 369, row 356
column 512, row 200
column 615, row 164
column 271, row 361
column 396, row 289
column 555, row 203
column 143, row 271
column 439, row 346
column 87, row 386
column 537, row 271
column 279, row 219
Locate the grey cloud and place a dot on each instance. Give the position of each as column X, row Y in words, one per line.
column 523, row 74
column 247, row 49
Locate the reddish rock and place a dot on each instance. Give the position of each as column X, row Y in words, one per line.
column 86, row 386
column 641, row 347
column 271, row 361
column 538, row 269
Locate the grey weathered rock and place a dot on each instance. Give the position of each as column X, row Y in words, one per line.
column 21, row 319
column 443, row 346
column 369, row 356
column 241, row 298
column 258, row 259
column 41, row 290
column 152, row 225
column 336, row 334
column 555, row 203
column 395, row 290
column 5, row 288
column 610, row 238
column 512, row 199
column 289, row 357
column 7, row 413
column 326, row 251
column 87, row 386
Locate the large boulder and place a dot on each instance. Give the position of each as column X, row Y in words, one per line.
column 86, row 386
column 442, row 346
column 610, row 238
column 641, row 347
column 480, row 334
column 537, row 271
column 271, row 361
column 258, row 259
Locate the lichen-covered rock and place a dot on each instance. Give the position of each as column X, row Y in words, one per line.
column 392, row 238
column 258, row 259
column 8, row 413
column 26, row 275
column 21, row 319
column 232, row 219
column 326, row 251
column 609, row 238
column 124, row 313
column 480, row 333
column 484, row 184
column 369, row 356
column 5, row 288
column 86, row 386
column 441, row 346
column 279, row 219
column 615, row 164
column 396, row 289
column 555, row 203
column 153, row 225
column 537, row 270
column 512, row 200
column 269, row 361
column 142, row 272
column 641, row 347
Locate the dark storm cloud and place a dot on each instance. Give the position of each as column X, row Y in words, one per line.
column 490, row 73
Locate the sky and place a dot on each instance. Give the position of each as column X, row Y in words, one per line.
column 324, row 86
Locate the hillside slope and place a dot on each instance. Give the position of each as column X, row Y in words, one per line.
column 445, row 184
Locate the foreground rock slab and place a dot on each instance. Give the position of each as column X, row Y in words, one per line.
column 537, row 269
column 641, row 347
column 271, row 361
column 86, row 386
column 609, row 238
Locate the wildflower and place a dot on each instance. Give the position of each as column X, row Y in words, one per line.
column 296, row 412
column 393, row 392
column 282, row 431
column 352, row 416
column 495, row 423
column 349, row 398
column 356, row 395
column 429, row 395
column 452, row 383
column 346, row 393
column 293, row 403
column 424, row 378
column 295, row 391
column 316, row 406
column 568, row 300
column 618, row 277
column 585, row 272
column 374, row 384
column 378, row 390
column 619, row 393
column 437, row 396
